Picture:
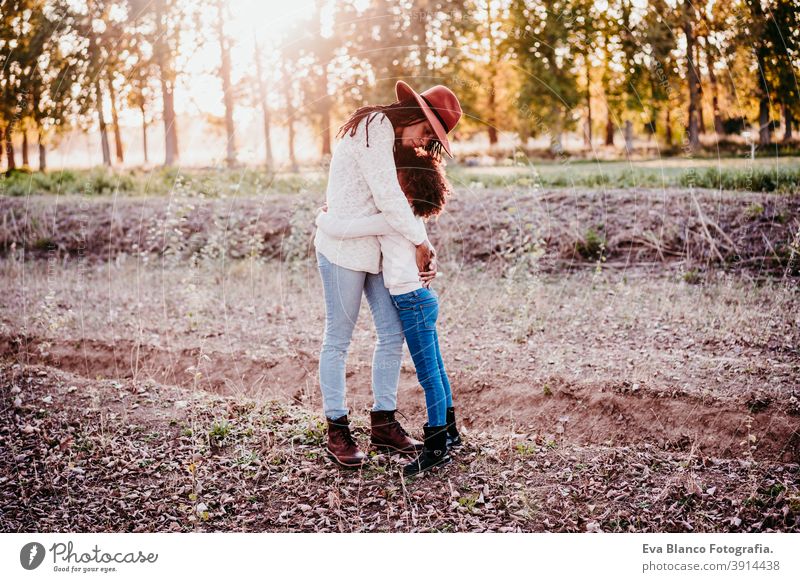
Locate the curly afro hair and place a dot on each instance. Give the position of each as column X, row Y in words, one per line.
column 422, row 178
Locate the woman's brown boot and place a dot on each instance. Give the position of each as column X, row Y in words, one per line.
column 387, row 434
column 341, row 447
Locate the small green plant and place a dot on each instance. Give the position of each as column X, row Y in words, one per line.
column 468, row 501
column 775, row 489
column 219, row 430
column 691, row 277
column 592, row 246
column 246, row 458
column 546, row 390
column 754, row 210
column 44, row 243
column 84, row 445
column 525, row 449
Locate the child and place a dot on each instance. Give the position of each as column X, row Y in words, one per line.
column 423, row 182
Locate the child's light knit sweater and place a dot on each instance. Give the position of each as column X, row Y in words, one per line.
column 362, row 182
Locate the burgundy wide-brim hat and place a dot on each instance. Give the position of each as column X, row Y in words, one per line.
column 440, row 105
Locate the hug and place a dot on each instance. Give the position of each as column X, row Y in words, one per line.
column 386, row 178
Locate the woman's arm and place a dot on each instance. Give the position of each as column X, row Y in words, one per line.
column 376, row 162
column 374, row 225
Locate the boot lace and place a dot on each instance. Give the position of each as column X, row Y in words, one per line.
column 348, row 437
column 345, row 435
column 400, row 426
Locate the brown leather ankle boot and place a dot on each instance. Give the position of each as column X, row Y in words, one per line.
column 341, row 447
column 388, row 435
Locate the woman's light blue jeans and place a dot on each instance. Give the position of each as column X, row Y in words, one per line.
column 343, row 289
column 419, row 310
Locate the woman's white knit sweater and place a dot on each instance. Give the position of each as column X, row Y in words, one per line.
column 363, row 181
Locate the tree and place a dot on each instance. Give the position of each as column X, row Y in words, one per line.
column 538, row 36
column 225, row 77
column 659, row 45
column 584, row 41
column 142, row 69
column 781, row 59
column 262, row 102
column 165, row 44
column 13, row 102
column 291, row 71
column 693, row 79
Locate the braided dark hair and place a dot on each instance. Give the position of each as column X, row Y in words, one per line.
column 400, row 113
column 422, row 178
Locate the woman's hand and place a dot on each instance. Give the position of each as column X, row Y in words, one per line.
column 323, row 208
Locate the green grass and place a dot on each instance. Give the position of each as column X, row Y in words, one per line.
column 764, row 174
column 207, row 183
column 760, row 175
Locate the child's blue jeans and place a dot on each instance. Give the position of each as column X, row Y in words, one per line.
column 419, row 310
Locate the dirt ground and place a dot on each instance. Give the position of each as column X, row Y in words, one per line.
column 567, row 381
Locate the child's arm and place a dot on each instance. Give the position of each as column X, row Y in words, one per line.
column 373, row 225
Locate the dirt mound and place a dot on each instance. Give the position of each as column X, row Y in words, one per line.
column 552, row 408
column 551, row 230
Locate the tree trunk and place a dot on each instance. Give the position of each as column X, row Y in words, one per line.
column 587, row 135
column 787, row 123
column 12, row 164
column 609, row 131
column 164, row 62
column 326, row 127
column 115, row 121
column 144, row 130
column 25, row 162
column 39, row 129
column 719, row 128
column 763, row 121
column 42, row 151
column 491, row 116
column 668, row 125
column 691, row 74
column 287, row 90
column 762, row 92
column 227, row 89
column 701, row 124
column 102, row 120
column 628, row 137
column 262, row 96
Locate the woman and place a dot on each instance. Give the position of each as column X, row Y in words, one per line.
column 425, row 186
column 362, row 182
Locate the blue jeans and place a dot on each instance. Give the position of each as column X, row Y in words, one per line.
column 419, row 310
column 343, row 289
